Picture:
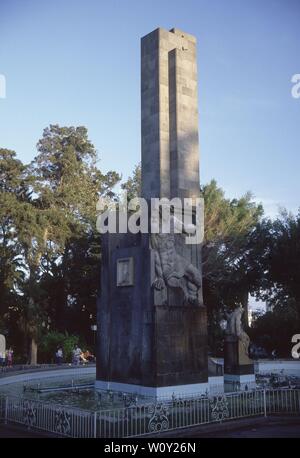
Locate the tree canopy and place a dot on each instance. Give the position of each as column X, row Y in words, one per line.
column 48, row 217
column 50, row 251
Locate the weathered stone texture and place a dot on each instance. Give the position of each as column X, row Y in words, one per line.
column 170, row 146
column 148, row 335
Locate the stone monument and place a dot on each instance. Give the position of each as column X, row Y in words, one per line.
column 238, row 367
column 152, row 324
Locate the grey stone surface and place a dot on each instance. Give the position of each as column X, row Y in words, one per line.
column 170, row 146
column 141, row 339
column 152, row 331
column 177, row 276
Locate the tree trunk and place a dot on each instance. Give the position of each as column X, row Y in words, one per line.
column 33, row 352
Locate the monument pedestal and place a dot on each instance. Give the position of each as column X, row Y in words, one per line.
column 146, row 345
column 238, row 367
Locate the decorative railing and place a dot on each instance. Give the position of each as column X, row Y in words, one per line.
column 140, row 420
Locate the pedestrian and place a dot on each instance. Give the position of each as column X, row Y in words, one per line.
column 76, row 355
column 2, row 358
column 9, row 355
column 59, row 355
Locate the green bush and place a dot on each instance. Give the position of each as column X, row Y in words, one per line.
column 51, row 341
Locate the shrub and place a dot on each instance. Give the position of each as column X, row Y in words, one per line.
column 51, row 341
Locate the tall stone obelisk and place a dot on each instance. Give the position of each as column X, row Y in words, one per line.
column 170, row 147
column 152, row 324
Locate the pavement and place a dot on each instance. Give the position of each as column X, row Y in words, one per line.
column 258, row 427
column 10, row 431
column 281, row 431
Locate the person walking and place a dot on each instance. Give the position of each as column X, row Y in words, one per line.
column 2, row 358
column 76, row 355
column 9, row 356
column 59, row 356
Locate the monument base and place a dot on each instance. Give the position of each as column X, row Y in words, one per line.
column 150, row 343
column 238, row 367
column 154, row 392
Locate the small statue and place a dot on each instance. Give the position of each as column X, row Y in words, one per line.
column 235, row 327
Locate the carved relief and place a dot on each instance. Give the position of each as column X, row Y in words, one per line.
column 172, row 270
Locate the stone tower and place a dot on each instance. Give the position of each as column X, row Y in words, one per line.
column 152, row 324
column 170, row 146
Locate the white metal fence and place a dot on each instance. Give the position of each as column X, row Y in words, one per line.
column 148, row 418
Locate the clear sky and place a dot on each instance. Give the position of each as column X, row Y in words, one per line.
column 76, row 62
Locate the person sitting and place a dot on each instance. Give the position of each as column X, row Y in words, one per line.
column 89, row 356
column 83, row 358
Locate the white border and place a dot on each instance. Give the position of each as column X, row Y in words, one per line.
column 164, row 391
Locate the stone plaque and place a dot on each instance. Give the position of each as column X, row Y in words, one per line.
column 125, row 273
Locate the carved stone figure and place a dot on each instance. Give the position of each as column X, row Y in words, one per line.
column 173, row 270
column 235, row 327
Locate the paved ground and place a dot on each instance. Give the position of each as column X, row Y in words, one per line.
column 273, row 426
column 12, row 431
column 262, row 431
column 256, row 427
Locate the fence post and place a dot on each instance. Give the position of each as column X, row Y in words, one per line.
column 265, row 403
column 6, row 410
column 95, row 425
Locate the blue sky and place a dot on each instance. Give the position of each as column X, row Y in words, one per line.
column 78, row 63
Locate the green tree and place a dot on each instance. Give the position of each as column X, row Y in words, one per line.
column 227, row 274
column 12, row 208
column 52, row 340
column 274, row 329
column 66, row 189
column 133, row 184
column 278, row 244
column 49, row 251
column 15, row 211
column 282, row 261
